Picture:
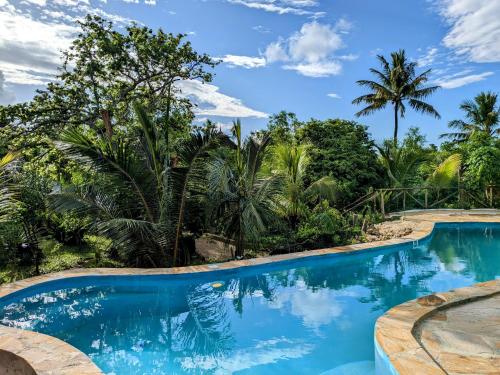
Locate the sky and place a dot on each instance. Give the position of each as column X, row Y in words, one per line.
column 303, row 56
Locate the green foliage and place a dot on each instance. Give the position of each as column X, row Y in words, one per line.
column 144, row 209
column 482, row 162
column 397, row 84
column 446, row 173
column 105, row 71
column 482, row 116
column 242, row 201
column 344, row 151
column 325, row 226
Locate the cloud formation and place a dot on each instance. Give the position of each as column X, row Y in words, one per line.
column 211, row 102
column 461, row 79
column 474, row 28
column 6, row 96
column 297, row 7
column 247, row 62
column 309, row 51
column 31, row 47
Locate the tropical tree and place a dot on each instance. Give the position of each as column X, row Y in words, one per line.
column 140, row 206
column 6, row 194
column 343, row 150
column 482, row 115
column 242, row 200
column 290, row 162
column 397, row 84
column 401, row 163
column 446, row 173
column 105, row 71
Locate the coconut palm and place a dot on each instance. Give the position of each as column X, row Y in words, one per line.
column 397, row 84
column 482, row 115
column 446, row 172
column 291, row 162
column 142, row 207
column 401, row 163
column 243, row 202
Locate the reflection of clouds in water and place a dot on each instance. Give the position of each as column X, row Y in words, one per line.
column 264, row 352
column 456, row 265
column 315, row 307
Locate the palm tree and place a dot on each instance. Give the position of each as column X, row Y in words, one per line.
column 291, row 162
column 446, row 172
column 401, row 163
column 397, row 83
column 243, row 200
column 482, row 115
column 142, row 206
column 6, row 194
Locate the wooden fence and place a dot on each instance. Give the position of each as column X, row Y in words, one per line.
column 403, row 199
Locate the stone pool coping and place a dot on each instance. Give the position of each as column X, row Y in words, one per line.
column 395, row 331
column 47, row 355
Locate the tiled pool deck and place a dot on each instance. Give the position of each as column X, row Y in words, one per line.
column 47, row 355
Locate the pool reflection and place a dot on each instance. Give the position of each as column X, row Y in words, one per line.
column 316, row 315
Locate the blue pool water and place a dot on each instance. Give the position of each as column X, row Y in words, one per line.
column 309, row 316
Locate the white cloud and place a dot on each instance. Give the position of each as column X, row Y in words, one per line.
column 247, row 62
column 348, row 57
column 281, row 6
column 6, row 96
column 276, row 52
column 316, row 69
column 428, row 58
column 260, row 353
column 334, row 95
column 37, row 2
column 31, row 45
column 311, row 50
column 211, row 102
column 261, row 29
column 474, row 28
column 459, row 80
column 30, row 49
column 313, row 43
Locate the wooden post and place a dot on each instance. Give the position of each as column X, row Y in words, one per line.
column 491, row 196
column 404, row 200
column 426, row 198
column 382, row 208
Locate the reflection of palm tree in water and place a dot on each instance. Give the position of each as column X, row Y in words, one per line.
column 248, row 286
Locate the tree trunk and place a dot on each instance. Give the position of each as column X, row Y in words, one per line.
column 395, row 139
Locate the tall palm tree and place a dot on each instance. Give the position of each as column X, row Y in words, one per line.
column 482, row 115
column 243, row 200
column 142, row 208
column 397, row 84
column 291, row 162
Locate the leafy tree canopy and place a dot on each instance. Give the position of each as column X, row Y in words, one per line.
column 105, row 71
column 343, row 150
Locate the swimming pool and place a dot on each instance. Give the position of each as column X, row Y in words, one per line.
column 307, row 316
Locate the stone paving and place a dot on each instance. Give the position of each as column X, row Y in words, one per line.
column 46, row 355
column 464, row 339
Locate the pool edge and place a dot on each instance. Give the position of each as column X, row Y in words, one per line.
column 398, row 350
column 48, row 355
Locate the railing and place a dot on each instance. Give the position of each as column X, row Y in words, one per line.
column 410, row 198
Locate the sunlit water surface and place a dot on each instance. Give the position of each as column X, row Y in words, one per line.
column 313, row 316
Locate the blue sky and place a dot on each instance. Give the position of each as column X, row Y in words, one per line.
column 302, row 56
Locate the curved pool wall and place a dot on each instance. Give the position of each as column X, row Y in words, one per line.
column 307, row 262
